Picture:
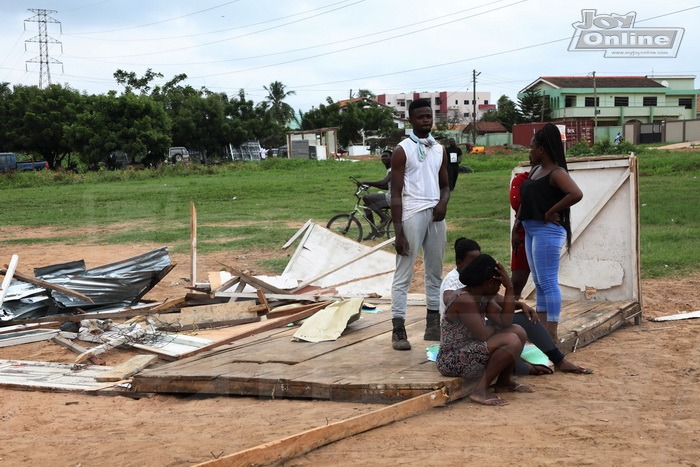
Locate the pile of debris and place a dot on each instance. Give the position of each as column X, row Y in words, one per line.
column 104, row 306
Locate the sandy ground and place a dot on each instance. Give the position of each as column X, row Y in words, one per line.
column 641, row 406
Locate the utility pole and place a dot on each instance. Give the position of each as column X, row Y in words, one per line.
column 474, row 75
column 42, row 17
column 595, row 110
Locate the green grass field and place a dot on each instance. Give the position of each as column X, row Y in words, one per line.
column 261, row 204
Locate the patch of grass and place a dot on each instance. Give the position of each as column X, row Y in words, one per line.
column 260, row 205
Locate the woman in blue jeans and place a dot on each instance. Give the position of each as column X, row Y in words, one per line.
column 545, row 199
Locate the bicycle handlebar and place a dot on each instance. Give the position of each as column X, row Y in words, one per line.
column 358, row 183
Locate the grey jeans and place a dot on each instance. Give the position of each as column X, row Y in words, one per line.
column 421, row 233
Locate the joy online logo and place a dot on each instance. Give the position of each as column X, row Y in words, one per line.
column 619, row 38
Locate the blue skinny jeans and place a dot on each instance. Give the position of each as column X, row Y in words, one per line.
column 543, row 244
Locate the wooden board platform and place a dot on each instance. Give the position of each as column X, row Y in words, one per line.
column 359, row 366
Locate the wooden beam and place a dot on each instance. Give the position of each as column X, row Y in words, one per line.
column 264, row 326
column 346, row 263
column 281, row 450
column 229, row 283
column 263, row 300
column 79, row 349
column 297, row 234
column 193, row 243
column 48, row 285
column 127, row 369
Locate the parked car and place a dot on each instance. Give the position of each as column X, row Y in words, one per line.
column 8, row 161
column 117, row 160
column 178, row 154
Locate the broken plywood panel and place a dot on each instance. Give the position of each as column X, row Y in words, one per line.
column 321, row 250
column 60, row 377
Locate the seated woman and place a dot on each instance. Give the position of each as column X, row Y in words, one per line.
column 470, row 346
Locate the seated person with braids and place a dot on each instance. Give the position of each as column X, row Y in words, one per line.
column 471, row 346
column 465, row 252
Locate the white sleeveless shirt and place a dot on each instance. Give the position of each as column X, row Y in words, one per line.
column 421, row 185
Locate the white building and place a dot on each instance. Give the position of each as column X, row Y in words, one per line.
column 453, row 107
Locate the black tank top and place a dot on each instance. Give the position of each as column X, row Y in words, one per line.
column 537, row 197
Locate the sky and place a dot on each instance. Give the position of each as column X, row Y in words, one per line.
column 330, row 48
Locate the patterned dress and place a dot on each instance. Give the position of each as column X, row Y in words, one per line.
column 460, row 354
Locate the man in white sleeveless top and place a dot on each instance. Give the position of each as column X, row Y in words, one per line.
column 419, row 196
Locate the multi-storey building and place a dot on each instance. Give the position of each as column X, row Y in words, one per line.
column 453, row 107
column 616, row 100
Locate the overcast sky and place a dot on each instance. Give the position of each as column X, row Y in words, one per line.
column 321, row 48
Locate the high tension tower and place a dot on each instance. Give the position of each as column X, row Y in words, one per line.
column 42, row 18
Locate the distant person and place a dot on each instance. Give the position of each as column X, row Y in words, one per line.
column 618, row 138
column 379, row 202
column 263, row 153
column 454, row 159
column 465, row 252
column 545, row 201
column 474, row 347
column 419, row 197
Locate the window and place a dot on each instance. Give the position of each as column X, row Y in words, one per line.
column 569, row 101
column 592, row 101
column 466, row 114
column 622, row 101
column 438, row 101
column 486, row 102
column 456, row 102
column 388, row 103
column 466, row 102
column 402, row 103
column 686, row 102
column 649, row 101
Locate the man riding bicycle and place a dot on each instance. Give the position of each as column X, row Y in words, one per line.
column 378, row 202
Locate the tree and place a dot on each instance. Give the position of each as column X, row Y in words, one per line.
column 37, row 120
column 352, row 120
column 135, row 124
column 130, row 81
column 533, row 106
column 280, row 110
column 506, row 113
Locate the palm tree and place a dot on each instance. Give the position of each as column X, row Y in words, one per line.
column 280, row 110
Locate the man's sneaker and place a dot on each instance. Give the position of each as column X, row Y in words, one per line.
column 399, row 339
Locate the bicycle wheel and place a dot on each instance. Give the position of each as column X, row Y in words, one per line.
column 345, row 224
column 389, row 229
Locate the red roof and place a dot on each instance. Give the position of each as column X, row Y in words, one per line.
column 486, row 127
column 601, row 82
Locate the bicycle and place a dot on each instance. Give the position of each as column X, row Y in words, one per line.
column 350, row 226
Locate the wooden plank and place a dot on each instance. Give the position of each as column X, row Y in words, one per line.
column 297, row 234
column 8, row 278
column 79, row 349
column 226, row 285
column 257, row 283
column 344, row 264
column 263, row 300
column 27, row 337
column 275, row 296
column 193, row 243
column 127, row 369
column 264, row 326
column 286, row 448
column 57, row 377
column 47, row 285
column 235, row 310
column 677, row 316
